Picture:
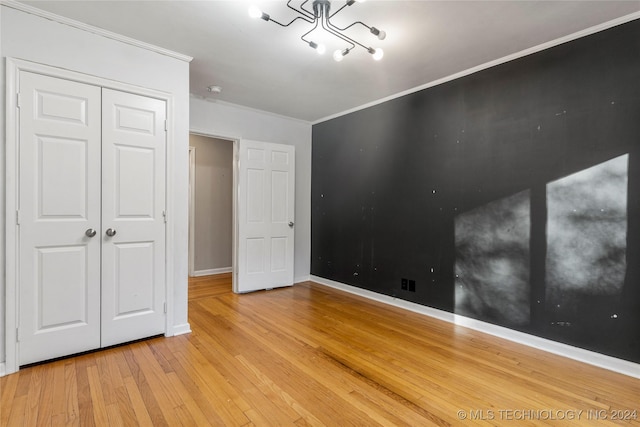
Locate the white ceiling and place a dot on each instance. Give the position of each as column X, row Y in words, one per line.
column 264, row 66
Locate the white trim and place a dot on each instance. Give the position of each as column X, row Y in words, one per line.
column 170, row 224
column 208, row 134
column 301, row 279
column 592, row 358
column 182, row 329
column 234, row 216
column 192, row 210
column 94, row 30
column 234, row 202
column 212, row 271
column 11, row 206
column 2, row 369
column 13, row 69
column 547, row 45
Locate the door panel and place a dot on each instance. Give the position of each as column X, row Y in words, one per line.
column 68, row 265
column 134, row 277
column 134, row 172
column 133, row 260
column 265, row 216
column 59, row 175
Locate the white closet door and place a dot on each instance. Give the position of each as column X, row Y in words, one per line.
column 133, row 203
column 59, row 175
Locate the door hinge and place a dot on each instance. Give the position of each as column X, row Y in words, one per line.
column 165, row 308
column 17, row 217
column 17, row 334
column 18, row 100
column 164, row 214
column 166, row 126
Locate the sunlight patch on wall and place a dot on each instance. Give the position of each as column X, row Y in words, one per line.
column 492, row 261
column 587, row 232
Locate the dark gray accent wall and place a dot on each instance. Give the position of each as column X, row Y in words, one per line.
column 511, row 195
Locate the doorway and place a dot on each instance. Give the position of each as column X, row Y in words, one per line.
column 210, row 205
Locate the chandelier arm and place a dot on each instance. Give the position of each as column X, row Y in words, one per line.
column 303, row 12
column 292, row 21
column 349, row 40
column 334, row 13
column 349, row 26
column 314, row 27
column 307, row 11
column 335, row 31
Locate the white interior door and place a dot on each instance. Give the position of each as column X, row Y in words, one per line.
column 133, row 221
column 59, row 206
column 265, row 223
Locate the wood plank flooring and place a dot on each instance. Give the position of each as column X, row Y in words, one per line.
column 312, row 356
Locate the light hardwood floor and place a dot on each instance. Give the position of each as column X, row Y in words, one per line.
column 311, row 355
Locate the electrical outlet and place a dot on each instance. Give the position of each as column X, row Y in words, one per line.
column 404, row 284
column 412, row 285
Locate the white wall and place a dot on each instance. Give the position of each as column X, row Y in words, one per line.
column 29, row 37
column 235, row 122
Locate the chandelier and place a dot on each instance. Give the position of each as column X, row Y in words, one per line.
column 320, row 16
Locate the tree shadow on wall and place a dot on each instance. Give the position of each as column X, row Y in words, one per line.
column 579, row 295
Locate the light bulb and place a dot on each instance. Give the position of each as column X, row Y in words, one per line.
column 320, row 48
column 378, row 54
column 254, row 12
column 339, row 55
column 379, row 33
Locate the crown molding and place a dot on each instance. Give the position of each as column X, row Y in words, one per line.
column 526, row 52
column 94, row 30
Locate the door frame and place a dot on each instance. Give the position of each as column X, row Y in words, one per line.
column 13, row 68
column 192, row 214
column 234, row 199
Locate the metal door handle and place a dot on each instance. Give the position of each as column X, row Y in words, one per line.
column 111, row 232
column 90, row 232
column 291, row 224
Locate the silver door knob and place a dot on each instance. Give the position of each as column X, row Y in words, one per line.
column 90, row 232
column 111, row 232
column 291, row 224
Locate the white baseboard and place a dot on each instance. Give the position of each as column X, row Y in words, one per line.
column 607, row 362
column 212, row 271
column 185, row 328
column 3, row 370
column 301, row 279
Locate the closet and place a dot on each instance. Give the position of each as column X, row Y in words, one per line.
column 91, row 217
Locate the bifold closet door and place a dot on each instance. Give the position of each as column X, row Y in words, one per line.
column 91, row 217
column 133, row 225
column 59, row 212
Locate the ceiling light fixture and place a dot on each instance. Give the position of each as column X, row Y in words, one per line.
column 320, row 16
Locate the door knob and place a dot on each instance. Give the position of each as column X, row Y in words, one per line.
column 111, row 232
column 90, row 232
column 291, row 224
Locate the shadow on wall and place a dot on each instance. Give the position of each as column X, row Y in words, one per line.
column 585, row 262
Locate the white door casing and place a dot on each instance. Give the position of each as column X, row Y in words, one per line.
column 133, row 205
column 59, row 201
column 265, row 225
